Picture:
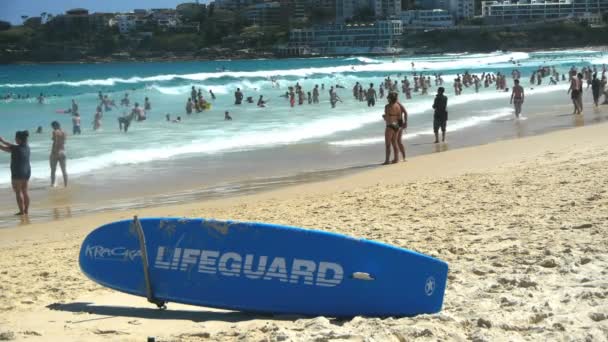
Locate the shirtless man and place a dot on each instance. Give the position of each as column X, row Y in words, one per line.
column 371, row 96
column 315, row 94
column 58, row 153
column 574, row 91
column 238, row 96
column 517, row 97
column 395, row 117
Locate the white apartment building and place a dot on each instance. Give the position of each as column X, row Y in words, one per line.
column 529, row 10
column 379, row 36
column 460, row 9
column 427, row 18
column 125, row 22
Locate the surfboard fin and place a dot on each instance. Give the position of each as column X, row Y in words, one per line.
column 161, row 304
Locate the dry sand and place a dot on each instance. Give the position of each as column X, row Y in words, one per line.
column 522, row 224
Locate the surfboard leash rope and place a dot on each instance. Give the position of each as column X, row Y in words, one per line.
column 161, row 304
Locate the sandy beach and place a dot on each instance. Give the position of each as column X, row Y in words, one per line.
column 522, row 224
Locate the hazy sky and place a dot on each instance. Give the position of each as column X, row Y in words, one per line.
column 12, row 10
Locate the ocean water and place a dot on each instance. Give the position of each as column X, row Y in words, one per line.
column 157, row 156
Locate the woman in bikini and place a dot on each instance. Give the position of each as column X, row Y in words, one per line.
column 395, row 117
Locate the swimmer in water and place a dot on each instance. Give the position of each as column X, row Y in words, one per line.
column 261, row 102
column 227, row 116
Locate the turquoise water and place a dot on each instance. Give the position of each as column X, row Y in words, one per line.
column 205, row 140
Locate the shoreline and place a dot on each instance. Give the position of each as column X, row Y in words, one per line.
column 55, row 205
column 415, row 169
column 520, row 223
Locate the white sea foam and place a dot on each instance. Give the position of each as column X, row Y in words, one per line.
column 384, row 67
column 364, row 60
column 455, row 125
column 279, row 134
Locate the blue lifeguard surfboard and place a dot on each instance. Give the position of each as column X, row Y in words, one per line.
column 262, row 267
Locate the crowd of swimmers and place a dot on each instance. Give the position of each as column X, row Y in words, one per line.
column 395, row 114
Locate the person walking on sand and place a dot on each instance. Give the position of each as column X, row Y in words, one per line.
column 517, row 97
column 395, row 117
column 440, row 118
column 20, row 169
column 58, row 153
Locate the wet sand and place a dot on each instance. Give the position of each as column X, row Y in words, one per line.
column 520, row 222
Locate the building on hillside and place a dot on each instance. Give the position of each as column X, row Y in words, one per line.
column 427, row 18
column 386, row 8
column 164, row 18
column 382, row 9
column 345, row 9
column 532, row 10
column 328, row 5
column 382, row 36
column 264, row 14
column 293, row 11
column 125, row 23
column 79, row 20
column 128, row 22
column 460, row 9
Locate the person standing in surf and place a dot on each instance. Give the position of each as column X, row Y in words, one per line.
column 20, row 169
column 595, row 89
column 97, row 118
column 371, row 96
column 315, row 94
column 76, row 124
column 333, row 97
column 238, row 96
column 395, row 117
column 58, row 153
column 440, row 117
column 575, row 91
column 517, row 97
